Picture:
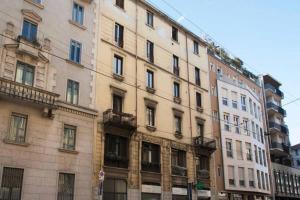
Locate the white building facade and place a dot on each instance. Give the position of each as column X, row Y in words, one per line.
column 244, row 148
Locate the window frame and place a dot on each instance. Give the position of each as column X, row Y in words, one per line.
column 27, row 66
column 196, row 47
column 150, row 78
column 150, row 18
column 59, row 185
column 76, row 17
column 176, row 89
column 117, row 99
column 150, row 112
column 197, row 76
column 14, row 114
column 176, row 68
column 27, row 35
column 175, row 34
column 199, row 99
column 20, row 180
column 66, row 146
column 73, row 84
column 178, row 124
column 150, row 51
column 118, row 70
column 77, row 46
column 119, row 35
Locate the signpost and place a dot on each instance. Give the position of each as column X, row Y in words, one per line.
column 101, row 179
column 190, row 191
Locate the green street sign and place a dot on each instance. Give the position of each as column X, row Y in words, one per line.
column 200, row 185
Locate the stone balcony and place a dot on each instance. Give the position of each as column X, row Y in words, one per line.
column 14, row 90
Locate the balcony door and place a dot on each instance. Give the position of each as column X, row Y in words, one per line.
column 117, row 103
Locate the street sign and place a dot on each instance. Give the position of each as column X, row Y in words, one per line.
column 200, row 185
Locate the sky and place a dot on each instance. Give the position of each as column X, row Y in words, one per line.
column 264, row 34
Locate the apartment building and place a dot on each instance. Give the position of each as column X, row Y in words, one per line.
column 47, row 116
column 241, row 158
column 285, row 176
column 154, row 140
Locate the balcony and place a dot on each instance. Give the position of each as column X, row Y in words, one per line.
column 271, row 88
column 31, row 94
column 179, row 171
column 280, row 146
column 275, row 127
column 202, row 174
column 273, row 108
column 204, row 146
column 120, row 120
column 113, row 160
column 150, row 167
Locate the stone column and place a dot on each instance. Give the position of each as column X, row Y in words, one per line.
column 166, row 171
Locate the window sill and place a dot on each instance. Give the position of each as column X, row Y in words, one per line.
column 122, row 9
column 74, row 63
column 151, row 128
column 118, row 77
column 152, row 27
column 35, row 4
column 196, row 54
column 77, row 24
column 67, row 151
column 24, row 144
column 176, row 41
column 178, row 135
column 200, row 109
column 150, row 90
column 177, row 100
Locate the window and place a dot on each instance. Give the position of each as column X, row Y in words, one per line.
column 200, row 129
column 178, row 158
column 234, row 99
column 150, row 116
column 24, row 74
column 177, row 124
column 236, row 121
column 261, row 136
column 263, row 181
column 298, row 162
column 229, row 148
column 175, row 34
column 197, row 76
column 66, row 186
column 120, row 3
column 264, row 157
column 17, row 131
column 176, row 65
column 176, row 90
column 255, row 110
column 150, row 18
column 119, row 31
column 29, row 31
column 150, row 79
column 226, row 122
column 255, row 153
column 253, row 130
column 117, row 103
column 11, row 186
column 115, row 189
column 267, row 181
column 69, row 140
column 196, row 47
column 251, row 177
column 78, row 13
column 241, row 176
column 249, row 151
column 225, row 101
column 234, row 104
column 75, row 51
column 72, row 92
column 150, row 157
column 246, row 126
column 251, row 106
column 258, row 179
column 231, row 178
column 198, row 99
column 257, row 132
column 239, row 150
column 243, row 103
column 215, row 115
column 118, row 65
column 150, row 55
column 259, row 113
column 260, row 156
column 116, row 151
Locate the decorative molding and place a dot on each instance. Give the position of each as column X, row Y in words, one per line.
column 179, row 146
column 77, row 110
column 150, row 102
column 31, row 15
column 117, row 90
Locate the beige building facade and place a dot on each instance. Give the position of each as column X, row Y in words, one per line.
column 47, row 116
column 154, row 139
column 242, row 156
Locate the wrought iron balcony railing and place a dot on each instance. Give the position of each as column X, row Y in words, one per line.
column 279, row 109
column 150, row 167
column 27, row 93
column 274, row 90
column 179, row 171
column 113, row 160
column 119, row 119
column 279, row 127
column 202, row 174
column 204, row 145
column 282, row 146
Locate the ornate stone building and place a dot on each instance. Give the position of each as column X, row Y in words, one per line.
column 154, row 140
column 47, row 116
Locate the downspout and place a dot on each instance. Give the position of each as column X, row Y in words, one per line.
column 189, row 96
